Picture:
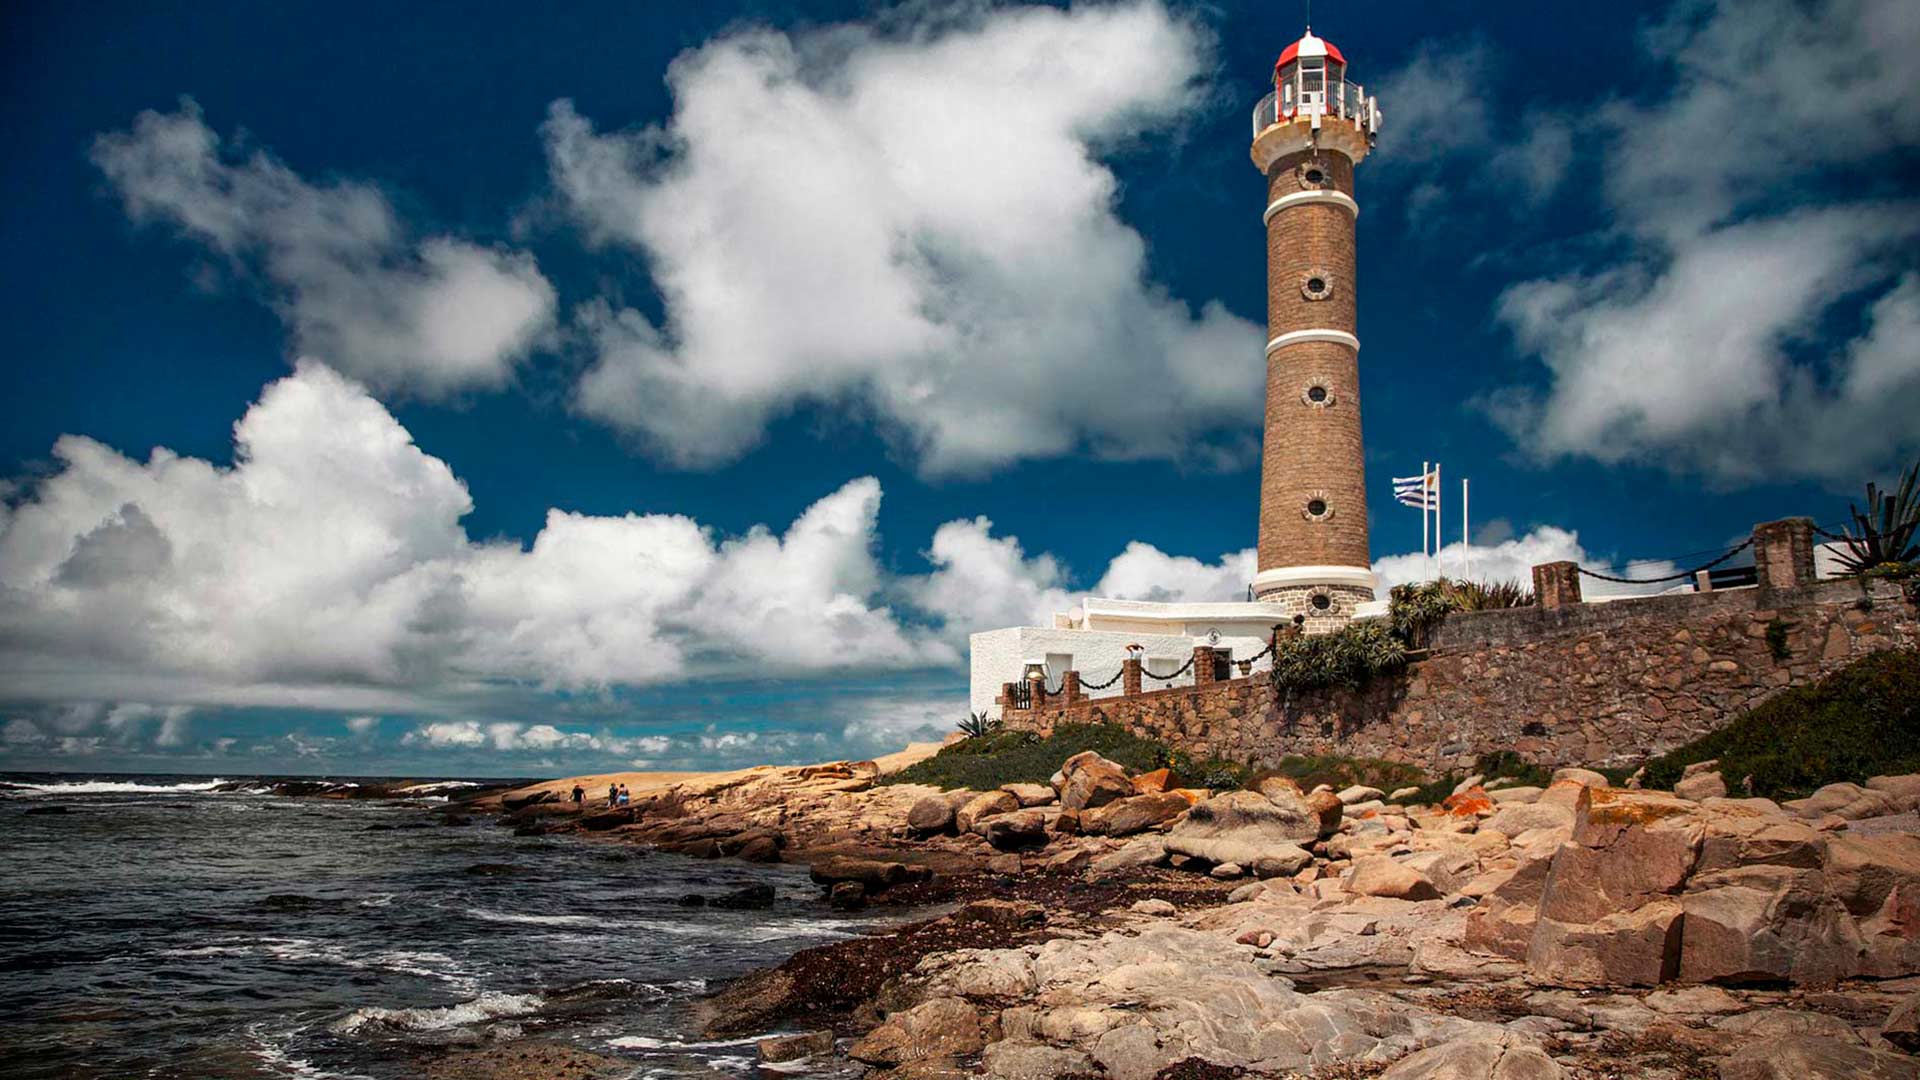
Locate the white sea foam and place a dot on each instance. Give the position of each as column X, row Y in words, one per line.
column 439, row 785
column 276, row 1058
column 491, row 1005
column 540, row 920
column 427, row 965
column 112, row 787
column 648, row 1042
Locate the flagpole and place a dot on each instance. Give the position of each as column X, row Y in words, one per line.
column 1438, row 536
column 1466, row 545
column 1426, row 554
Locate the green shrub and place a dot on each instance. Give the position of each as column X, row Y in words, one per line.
column 1488, row 596
column 1859, row 721
column 1415, row 610
column 1348, row 657
column 1020, row 757
column 1310, row 771
column 1499, row 765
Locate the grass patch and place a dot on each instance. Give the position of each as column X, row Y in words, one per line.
column 1858, row 721
column 1343, row 772
column 985, row 762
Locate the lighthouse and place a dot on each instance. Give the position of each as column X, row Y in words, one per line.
column 1308, row 135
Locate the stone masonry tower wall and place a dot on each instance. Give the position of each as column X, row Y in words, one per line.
column 1313, row 552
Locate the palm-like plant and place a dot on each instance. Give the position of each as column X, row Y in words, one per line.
column 1886, row 532
column 978, row 724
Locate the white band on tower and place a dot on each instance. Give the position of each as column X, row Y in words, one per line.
column 1357, row 576
column 1296, row 337
column 1336, row 198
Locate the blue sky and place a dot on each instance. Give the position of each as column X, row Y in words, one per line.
column 528, row 320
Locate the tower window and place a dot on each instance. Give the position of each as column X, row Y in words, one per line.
column 1316, row 176
column 1317, row 395
column 1317, row 507
column 1316, row 284
column 1322, row 602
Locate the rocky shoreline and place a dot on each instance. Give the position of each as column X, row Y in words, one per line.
column 1112, row 925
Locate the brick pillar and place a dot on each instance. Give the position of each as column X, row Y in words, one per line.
column 1070, row 688
column 1005, row 700
column 1037, row 687
column 1130, row 676
column 1556, row 584
column 1202, row 665
column 1783, row 552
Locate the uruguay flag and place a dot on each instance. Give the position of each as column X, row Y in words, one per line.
column 1421, row 491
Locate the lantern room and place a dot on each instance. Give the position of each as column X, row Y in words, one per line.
column 1310, row 82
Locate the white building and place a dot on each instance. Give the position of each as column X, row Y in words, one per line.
column 1093, row 640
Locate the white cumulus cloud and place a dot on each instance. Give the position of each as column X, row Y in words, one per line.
column 1722, row 336
column 916, row 226
column 428, row 316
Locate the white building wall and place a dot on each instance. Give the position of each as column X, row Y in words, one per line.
column 1000, row 656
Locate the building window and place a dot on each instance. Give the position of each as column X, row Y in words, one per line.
column 1322, row 602
column 1058, row 664
column 1163, row 665
column 1311, row 174
column 1316, row 284
column 1317, row 508
column 1317, row 396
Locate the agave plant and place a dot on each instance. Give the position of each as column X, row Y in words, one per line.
column 978, row 724
column 1886, row 532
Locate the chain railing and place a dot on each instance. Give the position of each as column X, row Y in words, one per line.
column 1681, row 576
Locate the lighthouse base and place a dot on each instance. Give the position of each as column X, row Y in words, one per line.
column 1318, row 598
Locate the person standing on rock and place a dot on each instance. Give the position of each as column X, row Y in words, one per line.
column 579, row 798
column 624, row 797
column 613, row 795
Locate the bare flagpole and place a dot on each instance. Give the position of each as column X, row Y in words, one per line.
column 1466, row 545
column 1438, row 536
column 1426, row 548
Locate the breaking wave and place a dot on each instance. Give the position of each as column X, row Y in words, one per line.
column 488, row 1006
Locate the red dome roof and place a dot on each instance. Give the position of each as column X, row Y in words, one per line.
column 1313, row 46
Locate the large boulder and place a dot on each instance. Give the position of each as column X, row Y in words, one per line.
column 1031, row 794
column 1513, row 819
column 1140, row 851
column 1012, row 1059
column 1703, row 785
column 1766, row 923
column 933, row 814
column 1849, row 801
column 1089, row 780
column 1815, row 1057
column 1124, row 817
column 1262, row 858
column 873, row 875
column 1360, row 793
column 1504, row 920
column 1477, row 1058
column 1902, row 1028
column 1640, row 947
column 1330, row 809
column 1903, row 790
column 1379, row 875
column 1250, row 815
column 941, row 1027
column 1018, row 831
column 983, row 806
column 1583, row 777
column 1449, row 870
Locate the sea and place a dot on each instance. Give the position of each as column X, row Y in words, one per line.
column 178, row 926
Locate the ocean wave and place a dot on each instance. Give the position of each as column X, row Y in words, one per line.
column 540, row 920
column 441, row 785
column 276, row 1058
column 427, row 965
column 491, row 1005
column 648, row 1042
column 110, row 787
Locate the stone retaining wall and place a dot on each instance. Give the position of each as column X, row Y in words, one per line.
column 1602, row 684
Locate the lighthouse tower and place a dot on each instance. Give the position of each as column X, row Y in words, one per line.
column 1307, row 137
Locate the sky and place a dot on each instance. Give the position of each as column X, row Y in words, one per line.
column 444, row 389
